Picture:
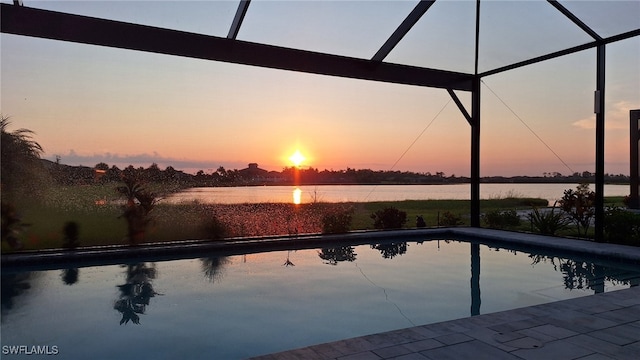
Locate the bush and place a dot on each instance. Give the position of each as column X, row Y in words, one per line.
column 389, row 218
column 71, row 232
column 500, row 219
column 548, row 222
column 621, row 226
column 214, row 229
column 579, row 205
column 449, row 219
column 337, row 221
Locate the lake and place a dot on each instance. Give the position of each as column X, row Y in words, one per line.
column 371, row 193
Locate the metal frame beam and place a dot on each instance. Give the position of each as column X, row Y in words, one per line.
column 575, row 19
column 87, row 30
column 571, row 50
column 237, row 20
column 475, row 153
column 474, row 120
column 463, row 110
column 406, row 25
column 599, row 109
column 634, row 157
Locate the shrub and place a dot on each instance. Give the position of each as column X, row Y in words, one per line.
column 630, row 202
column 337, row 221
column 449, row 219
column 71, row 233
column 214, row 229
column 548, row 222
column 621, row 226
column 500, row 219
column 12, row 226
column 389, row 218
column 579, row 205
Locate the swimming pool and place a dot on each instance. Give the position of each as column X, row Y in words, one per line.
column 230, row 307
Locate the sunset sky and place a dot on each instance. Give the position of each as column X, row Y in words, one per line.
column 90, row 104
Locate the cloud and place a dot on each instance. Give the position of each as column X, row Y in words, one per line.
column 616, row 117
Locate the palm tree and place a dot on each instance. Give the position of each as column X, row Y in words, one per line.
column 20, row 161
column 139, row 204
column 20, row 167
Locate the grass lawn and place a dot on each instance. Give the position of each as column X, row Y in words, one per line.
column 97, row 210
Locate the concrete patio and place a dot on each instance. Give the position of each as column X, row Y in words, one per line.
column 602, row 326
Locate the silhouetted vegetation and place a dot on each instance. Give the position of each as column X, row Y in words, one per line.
column 391, row 250
column 389, row 218
column 213, row 267
column 579, row 206
column 22, row 175
column 13, row 285
column 71, row 233
column 70, row 276
column 213, row 228
column 333, row 256
column 139, row 203
column 12, row 226
column 177, row 179
column 448, row 218
column 21, row 181
column 548, row 222
column 337, row 220
column 586, row 275
column 501, row 219
column 136, row 293
column 621, row 226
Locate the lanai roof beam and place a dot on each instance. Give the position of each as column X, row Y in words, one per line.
column 403, row 29
column 571, row 50
column 88, row 30
column 575, row 19
column 237, row 20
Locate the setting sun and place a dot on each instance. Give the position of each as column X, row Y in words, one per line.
column 297, row 158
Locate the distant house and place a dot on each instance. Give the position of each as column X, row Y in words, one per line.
column 254, row 174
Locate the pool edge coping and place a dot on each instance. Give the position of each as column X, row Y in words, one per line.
column 115, row 254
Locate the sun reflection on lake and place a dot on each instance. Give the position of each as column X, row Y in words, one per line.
column 297, row 195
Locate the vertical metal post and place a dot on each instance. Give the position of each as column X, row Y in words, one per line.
column 634, row 168
column 599, row 110
column 475, row 154
column 475, row 131
column 475, row 279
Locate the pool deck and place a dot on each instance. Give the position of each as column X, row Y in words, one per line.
column 601, row 326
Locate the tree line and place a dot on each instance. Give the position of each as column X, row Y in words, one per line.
column 102, row 172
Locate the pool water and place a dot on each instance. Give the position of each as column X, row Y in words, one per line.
column 246, row 305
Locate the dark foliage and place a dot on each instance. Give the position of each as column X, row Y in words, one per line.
column 389, row 218
column 579, row 205
column 337, row 221
column 501, row 219
column 333, row 256
column 621, row 226
column 448, row 218
column 391, row 250
column 548, row 222
column 71, row 235
column 139, row 203
column 214, row 229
